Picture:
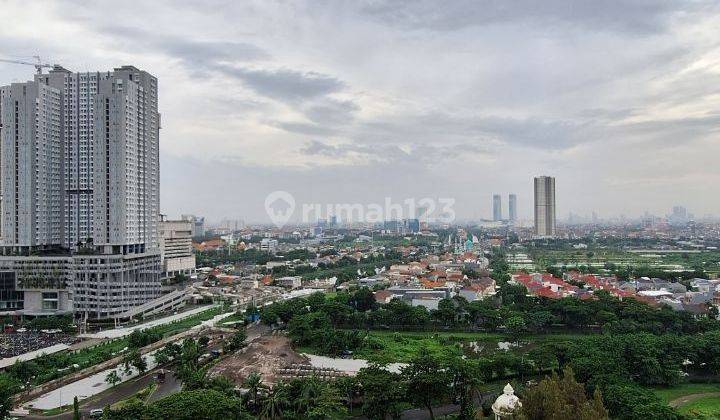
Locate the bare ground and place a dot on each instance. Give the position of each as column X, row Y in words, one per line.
column 264, row 355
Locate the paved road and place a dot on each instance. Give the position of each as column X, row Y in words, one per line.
column 121, row 392
column 126, row 389
column 422, row 414
column 122, row 332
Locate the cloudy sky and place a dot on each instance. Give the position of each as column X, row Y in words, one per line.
column 352, row 101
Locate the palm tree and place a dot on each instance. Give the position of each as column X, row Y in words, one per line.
column 308, row 394
column 348, row 385
column 274, row 403
column 253, row 383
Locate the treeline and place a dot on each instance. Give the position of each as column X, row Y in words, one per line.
column 640, row 345
column 530, row 314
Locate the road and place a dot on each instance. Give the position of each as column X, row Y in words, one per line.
column 131, row 387
column 122, row 332
column 121, row 392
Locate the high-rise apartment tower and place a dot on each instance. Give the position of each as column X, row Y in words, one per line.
column 545, row 206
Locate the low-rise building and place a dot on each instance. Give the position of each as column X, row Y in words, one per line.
column 478, row 289
column 289, row 282
column 176, row 248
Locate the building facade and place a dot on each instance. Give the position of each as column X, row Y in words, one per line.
column 497, row 208
column 79, row 160
column 198, row 224
column 544, row 206
column 176, row 248
column 512, row 207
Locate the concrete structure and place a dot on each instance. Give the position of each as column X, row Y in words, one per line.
column 79, row 158
column 198, row 224
column 430, row 303
column 31, row 166
column 497, row 208
column 289, row 282
column 544, row 206
column 268, row 245
column 176, row 248
column 512, row 207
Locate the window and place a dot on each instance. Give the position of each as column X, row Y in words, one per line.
column 49, row 301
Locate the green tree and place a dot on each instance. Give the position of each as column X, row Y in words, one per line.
column 76, row 409
column 516, row 326
column 466, row 378
column 253, row 383
column 557, row 398
column 427, row 383
column 236, row 342
column 363, row 300
column 133, row 408
column 274, row 404
column 112, row 378
column 383, row 392
column 197, row 404
column 134, row 359
column 221, row 384
column 628, row 401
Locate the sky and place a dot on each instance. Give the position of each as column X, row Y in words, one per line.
column 356, row 101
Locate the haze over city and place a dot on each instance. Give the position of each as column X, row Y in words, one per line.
column 356, row 101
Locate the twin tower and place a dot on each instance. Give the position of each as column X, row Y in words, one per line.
column 497, row 208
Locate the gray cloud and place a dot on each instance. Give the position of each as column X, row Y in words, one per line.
column 632, row 16
column 285, row 84
column 362, row 100
column 194, row 53
column 303, row 128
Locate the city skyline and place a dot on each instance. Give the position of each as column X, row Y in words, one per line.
column 305, row 113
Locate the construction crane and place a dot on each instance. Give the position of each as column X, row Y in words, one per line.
column 38, row 66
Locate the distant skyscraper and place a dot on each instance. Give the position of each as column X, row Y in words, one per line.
column 413, row 225
column 512, row 207
column 545, row 206
column 678, row 216
column 497, row 207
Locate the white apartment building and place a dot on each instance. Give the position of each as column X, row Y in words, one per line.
column 79, row 160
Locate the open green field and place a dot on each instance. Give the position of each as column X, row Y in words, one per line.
column 695, row 399
column 705, row 407
column 392, row 347
column 232, row 319
column 598, row 257
column 670, row 394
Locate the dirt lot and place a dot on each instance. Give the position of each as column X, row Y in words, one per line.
column 264, row 355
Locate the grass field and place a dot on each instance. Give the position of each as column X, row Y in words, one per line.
column 234, row 318
column 391, row 346
column 705, row 407
column 702, row 399
column 670, row 394
column 598, row 257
